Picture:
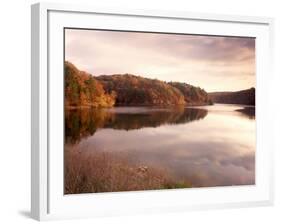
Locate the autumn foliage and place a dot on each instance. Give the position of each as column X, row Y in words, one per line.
column 85, row 90
column 82, row 89
column 136, row 90
column 192, row 95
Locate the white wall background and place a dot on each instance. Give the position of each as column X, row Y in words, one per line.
column 15, row 110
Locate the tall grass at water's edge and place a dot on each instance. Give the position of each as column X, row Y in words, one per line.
column 103, row 172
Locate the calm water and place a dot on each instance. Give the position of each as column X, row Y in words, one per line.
column 208, row 145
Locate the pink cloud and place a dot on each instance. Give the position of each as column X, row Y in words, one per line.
column 211, row 62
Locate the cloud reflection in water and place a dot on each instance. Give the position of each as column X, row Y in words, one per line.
column 214, row 146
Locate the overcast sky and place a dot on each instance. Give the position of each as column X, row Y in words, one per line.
column 213, row 63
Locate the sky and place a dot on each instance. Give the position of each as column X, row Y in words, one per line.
column 213, row 63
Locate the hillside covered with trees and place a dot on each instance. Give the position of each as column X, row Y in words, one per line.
column 135, row 90
column 245, row 97
column 85, row 90
column 192, row 95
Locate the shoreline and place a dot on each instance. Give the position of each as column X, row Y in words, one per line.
column 155, row 105
column 137, row 105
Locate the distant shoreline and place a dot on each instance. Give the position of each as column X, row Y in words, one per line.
column 158, row 106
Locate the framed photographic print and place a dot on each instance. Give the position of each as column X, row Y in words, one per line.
column 137, row 111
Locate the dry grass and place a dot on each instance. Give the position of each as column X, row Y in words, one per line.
column 103, row 172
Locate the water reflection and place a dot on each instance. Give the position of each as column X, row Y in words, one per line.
column 249, row 112
column 216, row 150
column 85, row 122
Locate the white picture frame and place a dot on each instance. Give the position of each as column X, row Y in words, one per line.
column 48, row 201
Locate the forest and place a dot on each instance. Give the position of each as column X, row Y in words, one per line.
column 85, row 90
column 194, row 96
column 245, row 97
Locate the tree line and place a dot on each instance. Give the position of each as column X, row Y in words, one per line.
column 84, row 90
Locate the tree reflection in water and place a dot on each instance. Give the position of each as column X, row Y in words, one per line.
column 249, row 112
column 81, row 123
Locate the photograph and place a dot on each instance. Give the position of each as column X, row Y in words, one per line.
column 157, row 111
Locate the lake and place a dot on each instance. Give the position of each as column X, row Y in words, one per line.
column 205, row 146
